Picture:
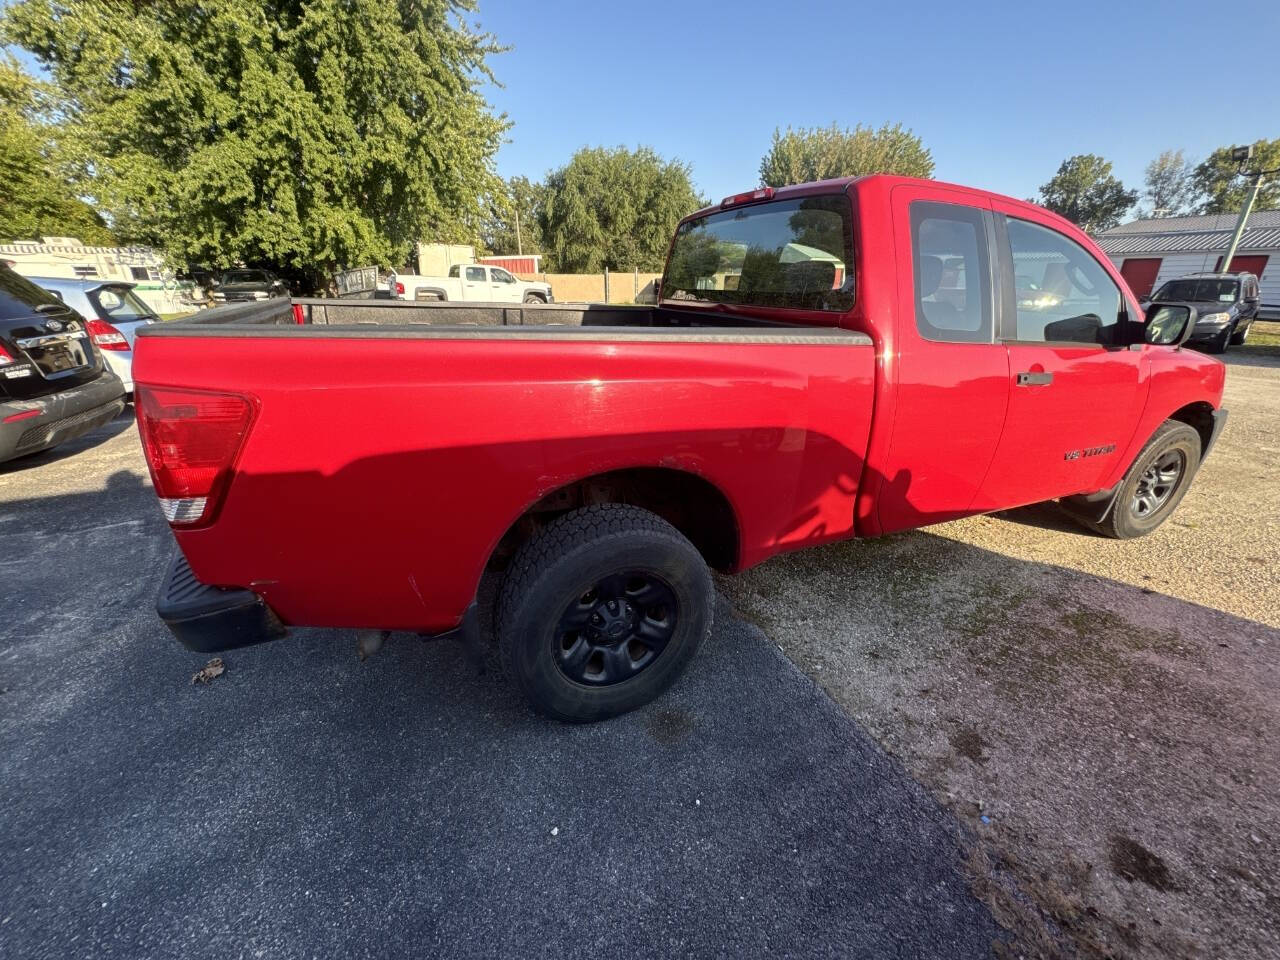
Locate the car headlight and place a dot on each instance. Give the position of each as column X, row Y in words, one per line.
column 1216, row 319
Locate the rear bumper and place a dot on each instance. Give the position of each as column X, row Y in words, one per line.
column 47, row 421
column 206, row 619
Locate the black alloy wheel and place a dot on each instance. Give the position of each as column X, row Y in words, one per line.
column 616, row 629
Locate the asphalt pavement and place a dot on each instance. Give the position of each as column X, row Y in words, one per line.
column 307, row 804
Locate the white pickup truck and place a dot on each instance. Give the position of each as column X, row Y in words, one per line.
column 469, row 281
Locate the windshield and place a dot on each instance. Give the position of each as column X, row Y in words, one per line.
column 119, row 303
column 245, row 276
column 1225, row 291
column 19, row 297
column 788, row 253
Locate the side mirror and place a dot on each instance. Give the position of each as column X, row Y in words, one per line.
column 1170, row 324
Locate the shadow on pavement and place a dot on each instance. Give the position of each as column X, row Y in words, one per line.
column 307, row 804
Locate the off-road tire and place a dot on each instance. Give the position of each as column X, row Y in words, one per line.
column 1123, row 521
column 560, row 566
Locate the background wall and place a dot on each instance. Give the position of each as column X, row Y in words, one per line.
column 630, row 287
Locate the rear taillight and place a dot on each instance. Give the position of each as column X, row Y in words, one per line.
column 105, row 336
column 192, row 439
column 4, row 357
column 399, row 289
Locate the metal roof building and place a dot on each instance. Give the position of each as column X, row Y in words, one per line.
column 1149, row 252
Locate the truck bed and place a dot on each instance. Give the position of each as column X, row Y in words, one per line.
column 395, row 444
column 340, row 312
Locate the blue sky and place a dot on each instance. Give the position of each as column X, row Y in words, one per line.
column 1001, row 92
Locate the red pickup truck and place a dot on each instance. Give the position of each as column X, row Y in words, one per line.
column 838, row 359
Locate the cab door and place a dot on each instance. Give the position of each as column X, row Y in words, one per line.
column 1076, row 385
column 475, row 283
column 952, row 374
column 504, row 286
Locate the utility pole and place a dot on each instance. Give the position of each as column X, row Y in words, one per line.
column 1242, row 155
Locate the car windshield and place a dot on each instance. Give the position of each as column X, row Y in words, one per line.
column 786, row 253
column 1225, row 291
column 119, row 303
column 245, row 276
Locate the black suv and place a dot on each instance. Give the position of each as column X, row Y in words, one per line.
column 54, row 385
column 1227, row 304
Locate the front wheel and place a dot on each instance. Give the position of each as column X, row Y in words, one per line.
column 533, row 298
column 1240, row 336
column 1156, row 483
column 601, row 611
column 1219, row 343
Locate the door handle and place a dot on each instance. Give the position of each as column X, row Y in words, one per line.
column 1034, row 379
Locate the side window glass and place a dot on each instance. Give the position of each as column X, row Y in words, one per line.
column 1062, row 294
column 952, row 272
column 475, row 274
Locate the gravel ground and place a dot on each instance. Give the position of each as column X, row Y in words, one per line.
column 1102, row 713
column 306, row 804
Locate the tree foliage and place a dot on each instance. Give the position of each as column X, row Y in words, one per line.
column 1169, row 188
column 1223, row 190
column 307, row 134
column 36, row 199
column 821, row 153
column 1084, row 191
column 510, row 224
column 614, row 208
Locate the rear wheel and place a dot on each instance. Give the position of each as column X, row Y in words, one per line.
column 1155, row 484
column 601, row 611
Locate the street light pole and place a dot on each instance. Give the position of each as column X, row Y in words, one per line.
column 1242, row 155
column 1242, row 221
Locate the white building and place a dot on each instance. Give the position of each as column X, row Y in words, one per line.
column 1149, row 252
column 142, row 266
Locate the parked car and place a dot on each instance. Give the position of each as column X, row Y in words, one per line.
column 113, row 314
column 54, row 385
column 1227, row 304
column 239, row 285
column 840, row 359
column 476, row 282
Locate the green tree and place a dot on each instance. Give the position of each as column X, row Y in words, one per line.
column 1169, row 188
column 1223, row 190
column 821, row 153
column 511, row 221
column 36, row 200
column 308, row 134
column 614, row 208
column 1084, row 191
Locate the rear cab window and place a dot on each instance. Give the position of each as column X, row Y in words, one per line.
column 791, row 254
column 952, row 262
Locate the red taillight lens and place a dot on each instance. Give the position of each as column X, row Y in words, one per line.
column 764, row 193
column 106, row 336
column 4, row 357
column 399, row 289
column 192, row 439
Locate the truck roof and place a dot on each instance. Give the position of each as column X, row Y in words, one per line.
column 881, row 181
